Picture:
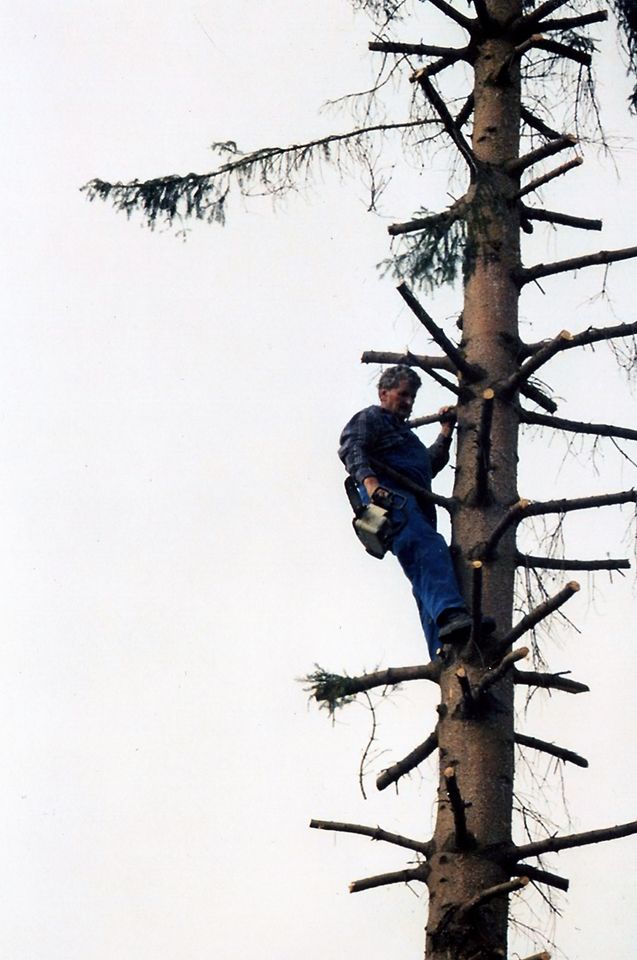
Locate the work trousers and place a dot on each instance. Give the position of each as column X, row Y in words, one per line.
column 424, row 556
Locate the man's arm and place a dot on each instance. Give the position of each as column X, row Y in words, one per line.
column 439, row 450
column 357, row 446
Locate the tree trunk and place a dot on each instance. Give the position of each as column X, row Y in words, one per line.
column 477, row 743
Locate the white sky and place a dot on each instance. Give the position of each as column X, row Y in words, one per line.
column 176, row 544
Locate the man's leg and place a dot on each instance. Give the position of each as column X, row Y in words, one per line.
column 424, row 556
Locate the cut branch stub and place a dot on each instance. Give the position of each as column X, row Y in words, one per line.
column 538, row 359
column 417, row 756
column 385, row 879
column 500, row 671
column 500, row 890
column 458, row 806
column 547, row 177
column 549, row 149
column 476, row 600
column 540, row 876
column 537, row 614
column 483, row 446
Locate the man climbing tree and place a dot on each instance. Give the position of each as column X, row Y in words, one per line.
column 509, row 52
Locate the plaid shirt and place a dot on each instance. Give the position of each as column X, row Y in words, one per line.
column 378, row 435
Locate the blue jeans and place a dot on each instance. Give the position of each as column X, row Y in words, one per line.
column 424, row 556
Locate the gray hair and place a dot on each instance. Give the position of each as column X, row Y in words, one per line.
column 394, row 376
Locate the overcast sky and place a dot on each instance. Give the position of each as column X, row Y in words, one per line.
column 176, row 546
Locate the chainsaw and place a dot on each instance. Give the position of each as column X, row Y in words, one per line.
column 371, row 522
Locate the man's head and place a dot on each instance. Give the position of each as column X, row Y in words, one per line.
column 397, row 389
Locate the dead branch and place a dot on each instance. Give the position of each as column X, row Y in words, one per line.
column 465, row 687
column 539, row 613
column 453, row 14
column 572, row 23
column 501, row 670
column 431, row 418
column 374, row 833
column 512, row 517
column 531, row 392
column 407, row 764
column 335, row 687
column 546, row 150
column 560, row 752
column 555, row 844
column 537, row 124
column 458, row 808
column 547, row 177
column 419, row 492
column 543, row 955
column 551, row 563
column 540, row 876
column 468, row 370
column 577, row 426
column 527, row 274
column 591, row 335
column 384, row 879
column 415, row 49
column 500, row 890
column 549, row 681
column 538, row 508
column 408, row 359
column 562, row 219
column 483, row 446
column 564, row 50
column 535, row 362
column 465, row 112
column 544, row 10
column 448, row 122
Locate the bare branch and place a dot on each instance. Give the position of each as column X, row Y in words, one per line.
column 408, row 359
column 527, row 274
column 384, row 879
column 531, row 392
column 591, row 335
column 468, row 370
column 465, row 112
column 547, row 177
column 501, row 670
column 374, row 833
column 540, row 876
column 572, row 23
column 455, row 212
column 465, row 687
column 453, row 14
column 512, row 517
column 577, row 426
column 562, row 219
column 547, row 150
column 543, row 955
column 560, row 752
column 551, row 563
column 539, row 613
column 417, row 756
column 538, row 508
column 563, row 50
column 539, row 358
column 431, row 418
column 476, row 601
column 549, row 681
column 500, row 890
column 415, row 49
column 554, row 844
column 448, row 122
column 458, row 808
column 544, row 10
column 537, row 124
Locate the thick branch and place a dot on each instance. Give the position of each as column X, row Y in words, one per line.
column 539, row 613
column 554, row 844
column 562, row 219
column 527, row 274
column 454, row 213
column 476, row 601
column 544, row 10
column 540, row 876
column 469, row 371
column 384, row 879
column 560, row 752
column 500, row 890
column 591, row 335
column 465, row 112
column 543, row 955
column 551, row 563
column 577, row 426
column 564, row 50
column 333, row 686
column 512, row 517
column 546, row 150
column 374, row 833
column 408, row 359
column 431, row 418
column 548, row 681
column 531, row 392
column 448, row 122
column 539, row 508
column 407, row 764
column 572, row 23
column 547, row 177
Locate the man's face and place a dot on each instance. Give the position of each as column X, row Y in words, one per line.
column 398, row 400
